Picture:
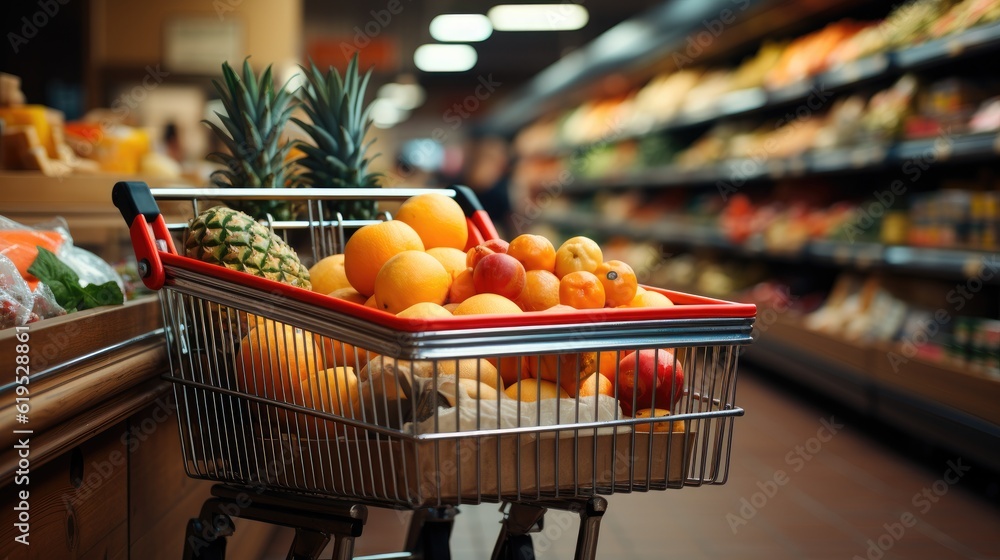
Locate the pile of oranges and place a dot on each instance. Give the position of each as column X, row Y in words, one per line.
column 417, row 265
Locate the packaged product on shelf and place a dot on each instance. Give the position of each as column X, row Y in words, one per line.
column 985, row 346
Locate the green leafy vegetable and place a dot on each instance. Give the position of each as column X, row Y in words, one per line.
column 65, row 284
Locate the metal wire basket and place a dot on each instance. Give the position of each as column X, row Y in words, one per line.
column 282, row 388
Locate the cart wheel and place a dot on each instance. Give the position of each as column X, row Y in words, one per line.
column 207, row 541
column 518, row 547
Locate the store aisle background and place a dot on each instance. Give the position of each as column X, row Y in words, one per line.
column 839, row 495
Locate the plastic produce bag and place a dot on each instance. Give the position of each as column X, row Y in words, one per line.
column 16, row 300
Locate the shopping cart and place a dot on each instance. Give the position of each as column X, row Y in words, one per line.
column 306, row 409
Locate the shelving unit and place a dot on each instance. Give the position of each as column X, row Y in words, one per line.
column 952, row 264
column 947, row 404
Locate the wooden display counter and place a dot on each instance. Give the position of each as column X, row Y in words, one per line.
column 102, row 465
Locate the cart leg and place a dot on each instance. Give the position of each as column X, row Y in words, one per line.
column 308, row 545
column 205, row 538
column 514, row 542
column 590, row 525
column 429, row 535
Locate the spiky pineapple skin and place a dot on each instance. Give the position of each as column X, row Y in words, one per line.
column 233, row 239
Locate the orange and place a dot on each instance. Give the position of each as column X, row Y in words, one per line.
column 274, row 360
column 452, row 259
column 408, row 278
column 424, row 310
column 541, row 291
column 328, row 274
column 607, row 363
column 350, row 294
column 649, row 298
column 486, row 304
column 578, row 253
column 581, row 290
column 371, row 246
column 508, row 367
column 451, row 306
column 560, row 367
column 336, row 391
column 370, row 302
column 477, row 369
column 590, row 386
column 336, row 353
column 462, row 288
column 619, row 282
column 534, row 251
column 531, row 390
column 674, row 426
column 438, row 220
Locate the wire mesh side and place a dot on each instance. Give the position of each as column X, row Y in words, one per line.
column 268, row 404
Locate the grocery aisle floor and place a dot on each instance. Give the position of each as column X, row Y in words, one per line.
column 852, row 489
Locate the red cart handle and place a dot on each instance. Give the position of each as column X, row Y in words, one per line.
column 146, row 228
column 480, row 226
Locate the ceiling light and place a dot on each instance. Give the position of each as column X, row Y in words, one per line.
column 538, row 17
column 404, row 96
column 385, row 113
column 461, row 28
column 445, row 58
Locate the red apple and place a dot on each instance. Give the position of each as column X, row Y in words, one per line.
column 637, row 375
column 499, row 273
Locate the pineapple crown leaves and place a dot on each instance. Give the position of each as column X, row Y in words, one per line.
column 339, row 122
column 256, row 115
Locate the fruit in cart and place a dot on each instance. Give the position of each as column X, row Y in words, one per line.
column 450, row 258
column 462, row 288
column 451, row 307
column 338, row 353
column 533, row 251
column 581, row 290
column 476, row 369
column 578, row 253
column 338, row 155
column 486, row 304
column 370, row 302
column 607, row 363
column 532, row 390
column 649, row 298
column 349, row 294
column 454, row 392
column 275, row 360
column 438, row 219
column 496, row 245
column 509, row 368
column 500, row 274
column 336, row 391
column 589, row 386
column 562, row 368
column 672, row 426
column 256, row 113
column 638, row 372
column 541, row 291
column 408, row 278
column 233, row 239
column 328, row 274
column 372, row 246
column 619, row 282
column 424, row 310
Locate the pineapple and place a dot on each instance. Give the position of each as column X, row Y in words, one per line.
column 256, row 115
column 235, row 240
column 338, row 155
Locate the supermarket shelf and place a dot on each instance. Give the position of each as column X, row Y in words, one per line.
column 884, row 65
column 735, row 172
column 947, row 404
column 924, row 261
